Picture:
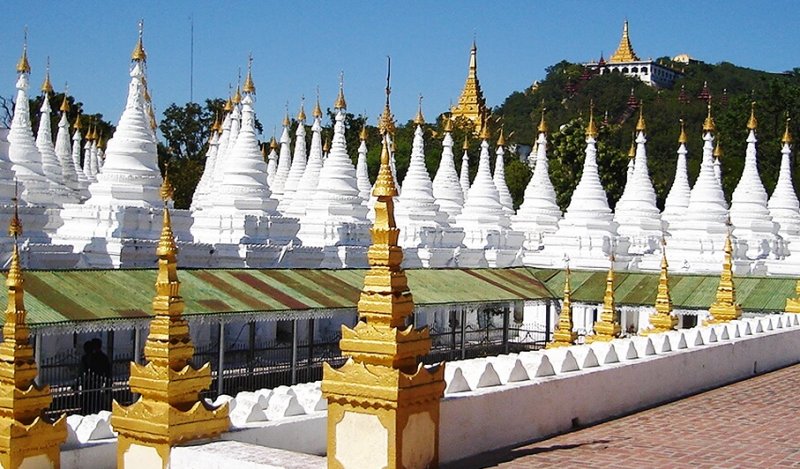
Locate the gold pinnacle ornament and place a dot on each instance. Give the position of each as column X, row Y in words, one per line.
column 752, row 122
column 624, row 52
column 169, row 410
column 138, row 54
column 662, row 319
column 340, row 102
column 23, row 66
column 725, row 308
column 383, row 404
column 591, row 129
column 471, row 103
column 564, row 335
column 249, row 86
column 27, row 437
column 607, row 327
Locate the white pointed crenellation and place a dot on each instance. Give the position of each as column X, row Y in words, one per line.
column 539, row 213
column 587, row 234
column 678, row 198
column 362, row 171
column 783, row 205
column 298, row 166
column 272, row 160
column 463, row 177
column 636, row 213
column 446, row 186
column 750, row 218
column 284, row 162
column 499, row 178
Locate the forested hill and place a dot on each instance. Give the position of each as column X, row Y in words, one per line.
column 567, row 90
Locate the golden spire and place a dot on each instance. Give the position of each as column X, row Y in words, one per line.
column 787, row 136
column 624, row 52
column 752, row 123
column 501, row 140
column 485, row 134
column 564, row 335
column 47, row 86
column 273, row 144
column 386, row 120
column 542, row 124
column 640, row 125
column 301, row 116
column 591, row 129
column 607, row 327
column 77, row 125
column 286, row 121
column 326, row 145
column 718, row 151
column 465, row 146
column 682, row 137
column 249, row 86
column 662, row 319
column 363, row 134
column 340, row 102
column 471, row 103
column 632, row 149
column 23, row 66
column 65, row 102
column 228, row 107
column 725, row 308
column 317, row 112
column 138, row 54
column 166, row 191
column 217, row 125
column 419, row 119
column 708, row 124
column 448, row 124
column 237, row 96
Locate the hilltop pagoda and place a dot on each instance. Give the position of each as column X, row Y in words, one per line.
column 471, row 103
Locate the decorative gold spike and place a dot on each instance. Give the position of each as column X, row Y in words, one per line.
column 718, row 151
column 471, row 103
column 787, row 135
column 624, row 52
column 273, row 144
column 682, row 137
column 662, row 319
column 286, row 121
column 166, row 191
column 465, row 146
column 752, row 122
column 317, row 112
column 708, row 124
column 64, row 104
column 386, row 120
column 228, row 107
column 640, row 125
column 591, row 129
column 301, row 116
column 169, row 409
column 419, row 119
column 485, row 134
column 448, row 124
column 249, row 86
column 138, row 54
column 363, row 134
column 725, row 308
column 632, row 149
column 564, row 336
column 326, row 146
column 217, row 125
column 77, row 125
column 237, row 96
column 47, row 86
column 340, row 102
column 23, row 66
column 501, row 140
column 542, row 124
column 607, row 327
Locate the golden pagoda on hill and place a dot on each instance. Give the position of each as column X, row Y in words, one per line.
column 471, row 104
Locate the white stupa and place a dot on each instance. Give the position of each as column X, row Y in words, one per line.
column 426, row 237
column 636, row 212
column 486, row 224
column 204, row 185
column 785, row 208
column 223, row 144
column 718, row 162
column 51, row 167
column 697, row 239
column 678, row 198
column 631, row 159
column 446, row 186
column 298, row 162
column 335, row 218
column 284, row 161
column 63, row 150
column 77, row 144
column 463, row 177
column 587, row 235
column 307, row 187
column 539, row 213
column 272, row 160
column 499, row 176
column 756, row 233
column 362, row 171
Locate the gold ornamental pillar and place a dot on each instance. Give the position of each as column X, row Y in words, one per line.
column 607, row 327
column 169, row 410
column 27, row 438
column 725, row 308
column 383, row 404
column 662, row 320
column 564, row 336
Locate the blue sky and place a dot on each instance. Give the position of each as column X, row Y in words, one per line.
column 298, row 45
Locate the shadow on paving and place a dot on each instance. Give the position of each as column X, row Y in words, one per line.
column 511, row 453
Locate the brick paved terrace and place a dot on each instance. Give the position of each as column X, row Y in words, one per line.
column 754, row 423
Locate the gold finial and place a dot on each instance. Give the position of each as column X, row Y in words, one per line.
column 386, row 120
column 138, row 54
column 301, row 116
column 77, row 125
column 363, row 134
column 249, row 86
column 65, row 102
column 632, row 149
column 640, row 125
column 47, row 87
column 14, row 225
column 787, row 136
column 217, row 125
column 273, row 144
column 501, row 140
column 465, row 146
column 542, row 124
column 228, row 107
column 708, row 124
column 682, row 137
column 624, row 52
column 485, row 134
column 237, row 96
column 419, row 119
column 326, row 145
column 384, row 184
column 340, row 102
column 564, row 336
column 286, row 121
column 718, row 151
column 166, row 191
column 591, row 129
column 23, row 66
column 448, row 124
column 752, row 123
column 317, row 109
